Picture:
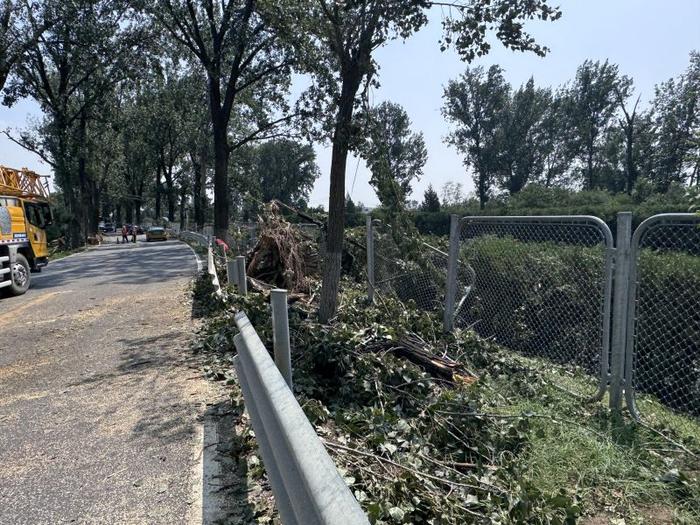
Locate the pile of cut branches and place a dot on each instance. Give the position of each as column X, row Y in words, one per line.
column 452, row 429
column 283, row 256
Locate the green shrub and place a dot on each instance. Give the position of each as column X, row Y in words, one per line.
column 545, row 299
column 668, row 329
column 540, row 299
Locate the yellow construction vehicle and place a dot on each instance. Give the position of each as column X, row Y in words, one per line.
column 24, row 215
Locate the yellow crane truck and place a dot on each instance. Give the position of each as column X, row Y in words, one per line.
column 24, row 216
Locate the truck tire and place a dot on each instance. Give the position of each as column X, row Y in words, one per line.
column 19, row 275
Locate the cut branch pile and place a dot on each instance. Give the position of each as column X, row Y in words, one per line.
column 283, row 256
column 418, row 351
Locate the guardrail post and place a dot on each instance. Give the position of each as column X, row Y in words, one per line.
column 242, row 281
column 232, row 271
column 451, row 285
column 370, row 259
column 210, row 259
column 620, row 300
column 280, row 334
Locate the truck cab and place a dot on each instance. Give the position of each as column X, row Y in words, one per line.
column 24, row 216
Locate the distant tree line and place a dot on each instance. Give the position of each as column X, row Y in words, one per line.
column 589, row 134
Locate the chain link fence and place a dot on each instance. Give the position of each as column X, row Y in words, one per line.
column 419, row 279
column 663, row 330
column 541, row 288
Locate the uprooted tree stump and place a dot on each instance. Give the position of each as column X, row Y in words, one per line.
column 283, row 255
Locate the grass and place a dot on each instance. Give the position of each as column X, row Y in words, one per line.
column 618, row 467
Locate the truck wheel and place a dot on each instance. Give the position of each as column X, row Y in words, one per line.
column 20, row 275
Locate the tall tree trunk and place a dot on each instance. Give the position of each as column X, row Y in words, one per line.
column 631, row 174
column 85, row 210
column 589, row 162
column 197, row 189
column 183, row 206
column 137, row 204
column 171, row 193
column 221, row 197
column 336, row 201
column 158, row 192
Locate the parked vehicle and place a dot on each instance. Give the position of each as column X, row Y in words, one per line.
column 156, row 233
column 24, row 216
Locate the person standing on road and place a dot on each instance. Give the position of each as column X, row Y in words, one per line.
column 133, row 233
column 125, row 232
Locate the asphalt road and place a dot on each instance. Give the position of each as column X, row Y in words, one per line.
column 102, row 408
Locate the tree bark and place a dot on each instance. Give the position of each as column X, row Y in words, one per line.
column 171, row 194
column 221, row 198
column 183, row 206
column 158, row 192
column 336, row 201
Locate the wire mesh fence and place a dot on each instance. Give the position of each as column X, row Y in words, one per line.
column 663, row 347
column 541, row 287
column 418, row 278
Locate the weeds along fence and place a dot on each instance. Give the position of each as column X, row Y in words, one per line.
column 558, row 288
column 541, row 287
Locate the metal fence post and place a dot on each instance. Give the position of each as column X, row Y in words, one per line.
column 451, row 286
column 280, row 334
column 620, row 301
column 240, row 271
column 370, row 259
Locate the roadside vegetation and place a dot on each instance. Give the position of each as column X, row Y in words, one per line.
column 497, row 440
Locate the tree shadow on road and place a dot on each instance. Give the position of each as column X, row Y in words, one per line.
column 120, row 265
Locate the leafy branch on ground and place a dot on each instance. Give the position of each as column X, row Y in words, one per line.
column 508, row 445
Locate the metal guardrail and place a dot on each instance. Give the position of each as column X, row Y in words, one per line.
column 205, row 242
column 307, row 486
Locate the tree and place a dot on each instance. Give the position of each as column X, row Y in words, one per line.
column 239, row 50
column 556, row 153
column 522, row 137
column 394, row 154
column 452, row 194
column 71, row 71
column 339, row 39
column 676, row 107
column 285, row 170
column 475, row 104
column 431, row 201
column 590, row 104
column 21, row 25
column 628, row 125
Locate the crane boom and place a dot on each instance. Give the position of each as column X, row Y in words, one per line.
column 23, row 183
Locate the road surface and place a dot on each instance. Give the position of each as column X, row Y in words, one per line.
column 102, row 408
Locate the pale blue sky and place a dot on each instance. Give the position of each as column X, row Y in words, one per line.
column 649, row 39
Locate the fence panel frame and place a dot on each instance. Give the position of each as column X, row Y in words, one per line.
column 632, row 289
column 604, row 374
